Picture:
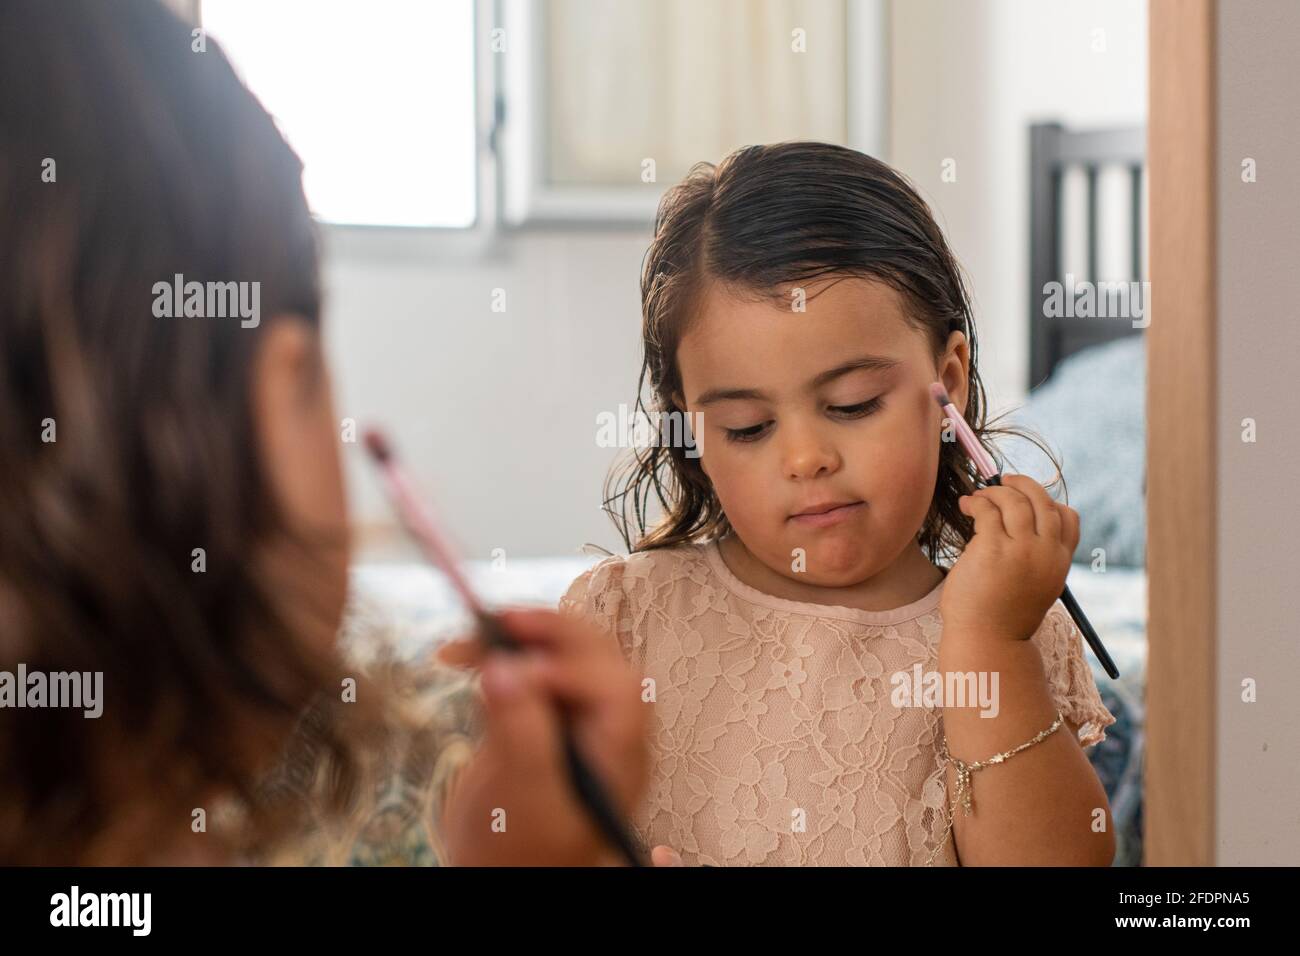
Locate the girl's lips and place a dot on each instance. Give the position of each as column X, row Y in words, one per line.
column 827, row 518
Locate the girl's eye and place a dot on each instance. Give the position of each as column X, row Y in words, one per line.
column 746, row 434
column 860, row 410
column 754, row 432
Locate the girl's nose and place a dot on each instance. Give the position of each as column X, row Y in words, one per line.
column 807, row 456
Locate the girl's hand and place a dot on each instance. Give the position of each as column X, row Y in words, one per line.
column 518, row 777
column 665, row 856
column 1014, row 567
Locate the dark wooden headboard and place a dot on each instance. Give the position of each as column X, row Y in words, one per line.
column 1052, row 151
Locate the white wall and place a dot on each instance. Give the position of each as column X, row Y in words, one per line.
column 1258, row 754
column 495, row 413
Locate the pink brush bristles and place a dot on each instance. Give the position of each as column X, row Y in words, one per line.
column 418, row 522
column 983, row 463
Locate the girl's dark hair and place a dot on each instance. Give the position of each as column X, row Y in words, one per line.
column 764, row 219
column 127, row 157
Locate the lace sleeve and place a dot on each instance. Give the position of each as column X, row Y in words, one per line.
column 1069, row 677
column 598, row 594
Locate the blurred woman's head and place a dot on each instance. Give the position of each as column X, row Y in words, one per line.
column 171, row 504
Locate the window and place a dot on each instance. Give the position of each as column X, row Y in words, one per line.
column 605, row 103
column 377, row 98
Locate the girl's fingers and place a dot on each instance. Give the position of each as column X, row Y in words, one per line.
column 466, row 652
column 1070, row 527
column 591, row 684
column 1047, row 513
column 537, row 630
column 574, row 661
column 520, row 723
column 565, row 635
column 603, row 700
column 665, row 856
column 1017, row 512
column 988, row 519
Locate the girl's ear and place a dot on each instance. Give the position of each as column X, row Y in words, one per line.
column 954, row 369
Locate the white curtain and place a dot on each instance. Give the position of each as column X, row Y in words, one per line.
column 679, row 81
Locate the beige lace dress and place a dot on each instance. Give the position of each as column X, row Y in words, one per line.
column 775, row 738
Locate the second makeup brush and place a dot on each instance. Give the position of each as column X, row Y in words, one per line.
column 418, row 523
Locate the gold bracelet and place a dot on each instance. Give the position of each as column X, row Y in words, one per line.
column 964, row 770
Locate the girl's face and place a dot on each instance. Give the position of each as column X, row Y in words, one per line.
column 819, row 434
column 298, row 445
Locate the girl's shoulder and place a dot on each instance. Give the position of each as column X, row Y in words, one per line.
column 619, row 590
column 625, row 573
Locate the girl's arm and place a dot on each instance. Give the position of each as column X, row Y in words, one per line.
column 1044, row 805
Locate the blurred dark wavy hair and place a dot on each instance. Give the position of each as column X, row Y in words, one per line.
column 165, row 164
column 764, row 219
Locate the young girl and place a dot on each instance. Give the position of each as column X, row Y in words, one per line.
column 798, row 301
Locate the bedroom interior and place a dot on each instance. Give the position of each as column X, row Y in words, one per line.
column 1076, row 158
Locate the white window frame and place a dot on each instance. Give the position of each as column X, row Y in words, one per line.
column 526, row 199
column 445, row 243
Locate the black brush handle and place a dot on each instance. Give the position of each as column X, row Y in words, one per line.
column 597, row 800
column 1089, row 634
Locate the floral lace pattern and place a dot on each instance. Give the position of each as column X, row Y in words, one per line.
column 775, row 739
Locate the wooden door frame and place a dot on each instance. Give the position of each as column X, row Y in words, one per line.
column 1182, row 464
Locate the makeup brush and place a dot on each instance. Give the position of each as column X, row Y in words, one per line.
column 424, row 530
column 988, row 471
